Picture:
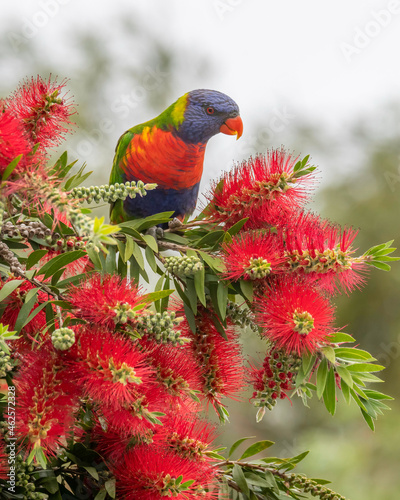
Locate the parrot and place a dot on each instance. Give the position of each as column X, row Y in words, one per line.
column 169, row 151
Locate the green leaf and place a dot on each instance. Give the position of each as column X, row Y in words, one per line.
column 165, row 300
column 154, row 296
column 247, row 289
column 210, row 239
column 111, row 260
column 379, row 265
column 346, row 391
column 365, row 367
column 340, row 337
column 101, row 495
column 345, row 375
column 330, row 392
column 376, row 395
column 256, row 448
column 94, row 257
column 237, row 227
column 149, row 254
column 151, row 242
column 10, row 167
column 35, row 312
column 322, row 375
column 34, row 257
column 137, row 256
column 92, row 471
column 214, row 263
column 222, row 298
column 368, row 419
column 142, row 224
column 60, row 261
column 270, row 478
column 110, row 487
column 199, row 286
column 237, row 443
column 128, row 248
column 308, row 361
column 256, row 479
column 30, row 300
column 8, row 288
column 190, row 317
column 352, row 353
column 240, row 480
column 191, row 294
column 329, row 353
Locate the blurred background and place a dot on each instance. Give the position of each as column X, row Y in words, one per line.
column 321, row 79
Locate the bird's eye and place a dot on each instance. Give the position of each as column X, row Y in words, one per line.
column 210, row 110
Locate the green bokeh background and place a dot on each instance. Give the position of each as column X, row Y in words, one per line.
column 132, row 68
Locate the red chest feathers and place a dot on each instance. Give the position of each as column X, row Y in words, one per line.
column 160, row 157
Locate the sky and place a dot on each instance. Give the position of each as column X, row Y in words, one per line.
column 329, row 61
column 283, row 62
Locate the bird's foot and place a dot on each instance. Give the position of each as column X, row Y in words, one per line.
column 156, row 232
column 174, row 223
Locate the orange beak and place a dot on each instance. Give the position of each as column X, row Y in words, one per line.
column 232, row 126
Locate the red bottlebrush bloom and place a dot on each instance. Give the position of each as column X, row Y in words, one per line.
column 252, row 256
column 46, row 400
column 108, row 368
column 13, row 141
column 105, row 299
column 275, row 378
column 177, row 370
column 295, row 316
column 14, row 302
column 323, row 251
column 251, row 185
column 44, row 113
column 188, row 437
column 219, row 360
column 114, row 444
column 150, row 473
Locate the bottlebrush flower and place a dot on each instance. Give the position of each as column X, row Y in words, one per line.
column 13, row 304
column 108, row 368
column 46, row 400
column 42, row 110
column 188, row 437
column 177, row 371
column 219, row 359
column 106, row 300
column 149, row 473
column 323, row 251
column 252, row 256
column 275, row 378
column 261, row 181
column 294, row 315
column 13, row 141
column 114, row 444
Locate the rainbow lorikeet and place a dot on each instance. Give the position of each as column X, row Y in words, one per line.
column 169, row 151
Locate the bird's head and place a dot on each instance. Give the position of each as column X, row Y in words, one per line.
column 203, row 113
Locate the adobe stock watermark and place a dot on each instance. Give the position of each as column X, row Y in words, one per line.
column 393, row 178
column 363, row 36
column 223, row 7
column 389, row 351
column 263, row 139
column 11, row 440
column 32, row 25
column 152, row 79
